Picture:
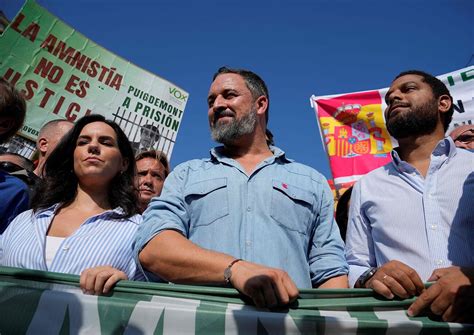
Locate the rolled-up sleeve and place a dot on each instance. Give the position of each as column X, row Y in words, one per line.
column 326, row 255
column 166, row 212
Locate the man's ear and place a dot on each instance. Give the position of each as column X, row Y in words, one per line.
column 6, row 123
column 261, row 104
column 444, row 103
column 42, row 145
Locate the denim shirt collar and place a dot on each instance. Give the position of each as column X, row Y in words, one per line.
column 444, row 150
column 217, row 154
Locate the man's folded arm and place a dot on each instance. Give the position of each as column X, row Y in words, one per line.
column 174, row 258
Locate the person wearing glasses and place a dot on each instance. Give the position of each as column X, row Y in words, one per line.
column 14, row 194
column 463, row 136
column 84, row 215
column 20, row 167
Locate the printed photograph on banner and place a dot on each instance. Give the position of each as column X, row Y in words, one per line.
column 144, row 134
column 65, row 75
column 354, row 134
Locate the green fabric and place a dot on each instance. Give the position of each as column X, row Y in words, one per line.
column 45, row 302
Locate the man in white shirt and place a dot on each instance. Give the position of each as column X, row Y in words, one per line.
column 414, row 215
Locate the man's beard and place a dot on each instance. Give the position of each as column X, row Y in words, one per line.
column 227, row 132
column 419, row 120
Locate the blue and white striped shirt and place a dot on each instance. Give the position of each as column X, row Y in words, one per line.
column 426, row 223
column 101, row 240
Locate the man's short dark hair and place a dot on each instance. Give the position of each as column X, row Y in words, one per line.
column 438, row 88
column 152, row 130
column 12, row 105
column 254, row 83
column 160, row 156
column 51, row 125
column 151, row 127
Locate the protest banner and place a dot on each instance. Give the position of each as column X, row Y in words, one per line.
column 64, row 75
column 37, row 302
column 353, row 131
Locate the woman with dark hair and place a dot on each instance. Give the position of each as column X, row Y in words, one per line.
column 84, row 215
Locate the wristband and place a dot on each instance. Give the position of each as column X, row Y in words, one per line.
column 365, row 277
column 228, row 271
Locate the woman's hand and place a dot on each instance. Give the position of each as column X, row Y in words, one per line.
column 100, row 279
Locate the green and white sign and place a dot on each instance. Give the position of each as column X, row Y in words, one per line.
column 35, row 302
column 65, row 75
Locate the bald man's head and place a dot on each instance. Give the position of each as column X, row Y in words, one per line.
column 49, row 136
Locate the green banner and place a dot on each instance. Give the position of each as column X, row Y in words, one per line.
column 35, row 302
column 64, row 75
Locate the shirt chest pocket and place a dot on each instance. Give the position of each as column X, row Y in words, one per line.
column 207, row 201
column 291, row 206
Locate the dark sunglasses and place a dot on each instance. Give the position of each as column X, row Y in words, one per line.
column 465, row 138
column 17, row 171
column 10, row 167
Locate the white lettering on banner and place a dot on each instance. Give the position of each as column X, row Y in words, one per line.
column 50, row 313
column 179, row 316
column 338, row 322
column 398, row 322
column 240, row 319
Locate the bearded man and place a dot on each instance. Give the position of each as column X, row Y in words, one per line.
column 412, row 220
column 247, row 216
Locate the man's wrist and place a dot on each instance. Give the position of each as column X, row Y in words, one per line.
column 228, row 271
column 365, row 277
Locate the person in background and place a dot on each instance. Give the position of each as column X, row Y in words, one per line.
column 14, row 194
column 49, row 136
column 85, row 215
column 152, row 170
column 247, row 216
column 20, row 167
column 463, row 136
column 342, row 212
column 411, row 220
column 20, row 161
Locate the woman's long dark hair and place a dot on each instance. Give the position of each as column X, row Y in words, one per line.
column 60, row 181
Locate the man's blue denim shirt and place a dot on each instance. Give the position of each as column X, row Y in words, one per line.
column 280, row 216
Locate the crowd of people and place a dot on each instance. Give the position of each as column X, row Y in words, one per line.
column 248, row 217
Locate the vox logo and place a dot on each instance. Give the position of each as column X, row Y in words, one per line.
column 177, row 94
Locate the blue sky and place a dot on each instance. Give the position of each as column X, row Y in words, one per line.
column 299, row 48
